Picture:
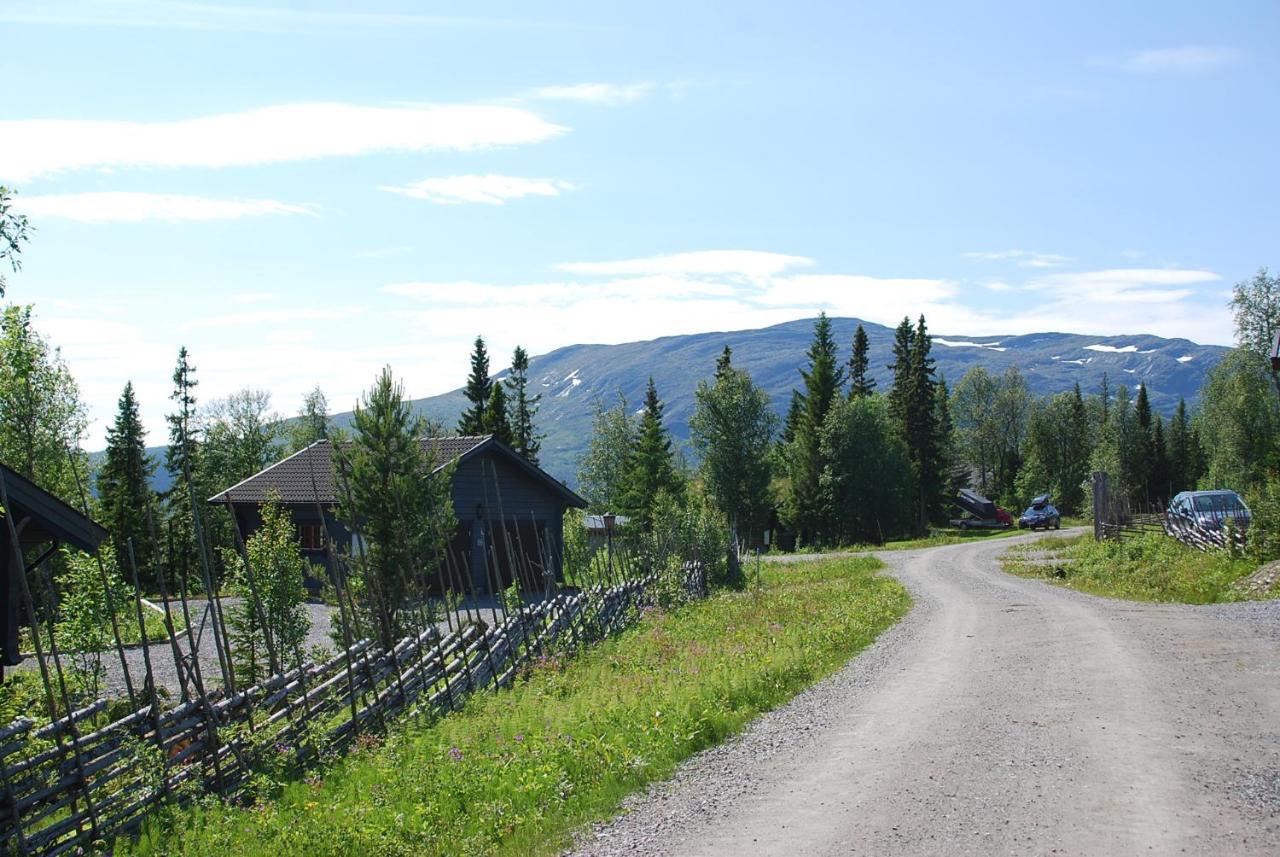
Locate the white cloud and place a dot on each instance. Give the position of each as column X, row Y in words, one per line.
column 289, row 132
column 596, row 93
column 1024, row 258
column 137, row 207
column 742, row 264
column 489, row 189
column 1184, row 59
column 1124, row 285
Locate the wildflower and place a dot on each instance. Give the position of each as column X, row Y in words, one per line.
column 455, row 754
column 519, row 737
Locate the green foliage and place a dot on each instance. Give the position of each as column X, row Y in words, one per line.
column 651, row 466
column 389, row 496
column 1239, row 423
column 516, row 772
column 124, row 486
column 312, row 423
column 478, row 391
column 732, row 431
column 804, row 506
column 84, row 619
column 14, row 232
column 1151, row 567
column 913, row 403
column 42, row 419
column 525, row 438
column 1056, row 451
column 867, row 479
column 271, row 607
column 991, row 419
column 1256, row 306
column 1262, row 541
column 602, row 473
column 861, row 384
column 496, row 422
column 241, row 437
column 686, row 530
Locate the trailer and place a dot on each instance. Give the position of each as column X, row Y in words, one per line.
column 983, row 514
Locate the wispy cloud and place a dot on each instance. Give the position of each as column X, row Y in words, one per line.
column 121, row 207
column 1024, row 258
column 1185, row 59
column 1124, row 285
column 290, row 132
column 170, row 15
column 597, row 93
column 740, row 264
column 488, row 189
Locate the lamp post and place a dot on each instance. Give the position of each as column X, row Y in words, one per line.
column 609, row 519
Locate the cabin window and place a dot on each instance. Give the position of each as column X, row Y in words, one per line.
column 311, row 537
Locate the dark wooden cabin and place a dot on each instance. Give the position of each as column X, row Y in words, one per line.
column 510, row 512
column 34, row 525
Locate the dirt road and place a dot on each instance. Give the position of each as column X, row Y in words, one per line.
column 1002, row 716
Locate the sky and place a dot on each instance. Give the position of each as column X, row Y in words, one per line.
column 303, row 193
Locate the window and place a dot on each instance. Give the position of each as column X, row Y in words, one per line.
column 311, row 537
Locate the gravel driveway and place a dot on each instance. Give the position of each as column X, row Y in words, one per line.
column 1001, row 716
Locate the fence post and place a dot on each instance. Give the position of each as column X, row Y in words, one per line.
column 1101, row 497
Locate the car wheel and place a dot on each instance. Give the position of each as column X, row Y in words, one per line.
column 1057, row 524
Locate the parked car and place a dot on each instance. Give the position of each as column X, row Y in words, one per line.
column 1210, row 509
column 1040, row 513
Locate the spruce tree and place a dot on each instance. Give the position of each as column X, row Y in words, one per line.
column 651, row 465
column 724, row 363
column 920, row 428
column 823, row 379
column 1180, row 454
column 523, row 407
column 861, row 384
column 903, row 336
column 1143, row 452
column 181, row 460
column 124, row 490
column 792, row 423
column 1159, row 482
column 478, row 391
column 496, row 420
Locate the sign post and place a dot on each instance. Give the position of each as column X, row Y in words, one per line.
column 1275, row 354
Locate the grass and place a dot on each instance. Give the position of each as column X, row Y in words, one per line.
column 1151, row 567
column 518, row 772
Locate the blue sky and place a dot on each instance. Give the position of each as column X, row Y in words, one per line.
column 301, row 193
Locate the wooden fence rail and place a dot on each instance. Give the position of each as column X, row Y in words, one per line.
column 65, row 785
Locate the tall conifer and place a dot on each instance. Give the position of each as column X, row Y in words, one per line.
column 651, row 465
column 861, row 384
column 523, row 407
column 124, row 489
column 478, row 391
column 496, row 420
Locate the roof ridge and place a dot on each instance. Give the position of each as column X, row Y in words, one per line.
column 227, row 491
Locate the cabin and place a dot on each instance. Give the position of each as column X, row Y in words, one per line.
column 510, row 512
column 34, row 525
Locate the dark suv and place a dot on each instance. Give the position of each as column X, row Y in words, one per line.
column 1040, row 514
column 1209, row 509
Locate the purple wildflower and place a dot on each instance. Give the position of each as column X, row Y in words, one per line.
column 455, row 754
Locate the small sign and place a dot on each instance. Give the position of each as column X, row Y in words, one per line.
column 1275, row 354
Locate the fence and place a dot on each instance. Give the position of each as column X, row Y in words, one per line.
column 79, row 779
column 1115, row 516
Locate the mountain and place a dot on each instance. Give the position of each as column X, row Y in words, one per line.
column 573, row 378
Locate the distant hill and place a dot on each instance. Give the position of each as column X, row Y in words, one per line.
column 571, row 379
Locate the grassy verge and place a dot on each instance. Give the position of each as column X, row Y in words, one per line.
column 153, row 623
column 517, row 772
column 1152, row 567
column 941, row 537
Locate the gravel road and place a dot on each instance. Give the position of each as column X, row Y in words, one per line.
column 1001, row 716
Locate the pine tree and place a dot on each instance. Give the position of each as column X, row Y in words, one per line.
column 478, row 391
column 1159, row 482
column 124, row 490
column 181, row 460
column 792, row 423
column 496, row 420
column 524, row 408
column 651, row 466
column 861, row 384
column 391, row 497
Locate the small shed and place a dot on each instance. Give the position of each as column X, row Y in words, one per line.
column 35, row 524
column 510, row 512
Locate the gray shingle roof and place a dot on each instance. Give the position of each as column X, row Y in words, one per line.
column 307, row 475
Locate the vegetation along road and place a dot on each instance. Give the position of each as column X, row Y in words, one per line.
column 1002, row 716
